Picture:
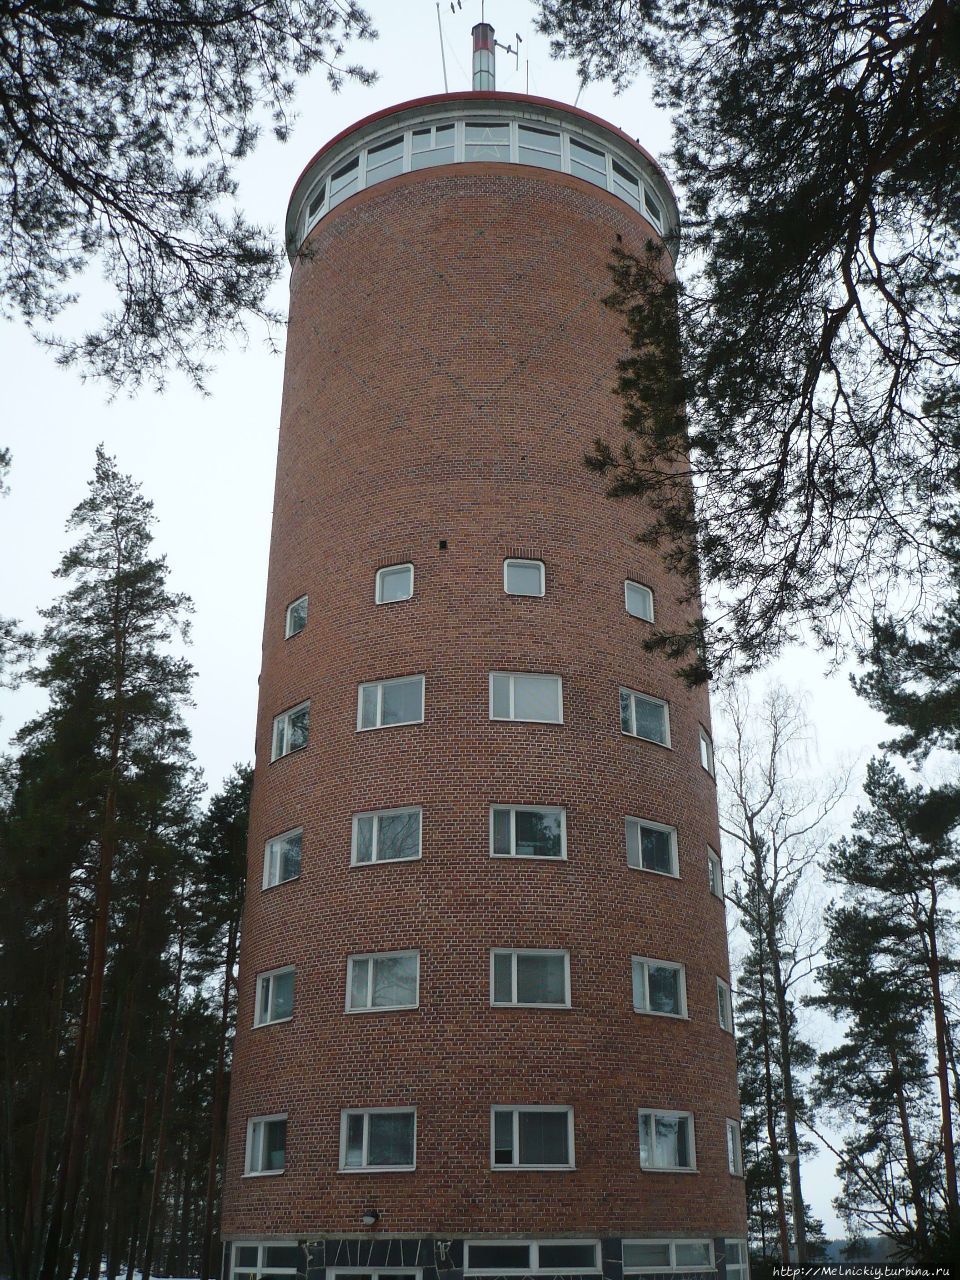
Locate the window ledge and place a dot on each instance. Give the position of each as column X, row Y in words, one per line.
column 384, row 862
column 656, row 1013
column 402, row 724
column 517, row 720
column 386, row 1008
column 550, row 1008
column 267, row 887
column 382, row 1168
column 648, row 1168
column 652, row 871
column 273, row 1022
column 265, row 1173
column 635, row 737
column 533, row 1168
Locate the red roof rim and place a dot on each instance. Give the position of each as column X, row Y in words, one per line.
column 477, row 96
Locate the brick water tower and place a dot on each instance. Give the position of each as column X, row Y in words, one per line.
column 484, row 1021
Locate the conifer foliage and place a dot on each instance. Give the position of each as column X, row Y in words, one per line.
column 115, row 1007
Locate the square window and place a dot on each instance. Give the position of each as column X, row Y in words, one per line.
column 714, row 872
column 644, row 717
column 387, row 980
column 486, row 142
column 386, row 835
column 639, row 600
column 524, row 577
column 659, row 986
column 532, row 1137
column 281, row 858
column 737, row 1260
column 530, row 978
column 587, row 162
column 706, row 752
column 388, row 702
column 296, row 617
column 538, row 699
column 724, row 1008
column 640, row 1256
column 734, row 1151
column 394, row 583
column 290, row 731
column 381, row 1138
column 527, row 832
column 260, row 1261
column 652, row 847
column 266, row 1145
column 385, row 160
column 666, row 1140
column 538, row 146
column 432, row 145
column 274, row 1001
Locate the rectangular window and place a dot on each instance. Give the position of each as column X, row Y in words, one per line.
column 387, row 980
column 523, row 697
column 527, row 832
column 386, row 835
column 538, row 146
column 552, row 1257
column 394, row 582
column 587, row 162
column 639, row 600
column 281, row 858
column 387, row 702
column 316, row 201
column 734, row 1151
column 530, row 978
column 382, row 1273
column 706, row 752
column 344, row 181
column 486, row 142
column 714, row 872
column 266, row 1145
column 659, row 986
column 251, row 1260
column 666, row 1140
column 523, row 577
column 291, row 730
column 431, row 146
column 296, row 617
column 654, row 208
column 652, row 847
column 385, row 160
column 274, row 997
column 644, row 717
column 724, row 1009
column 380, row 1138
column 738, row 1263
column 667, row 1255
column 531, row 1137
column 626, row 184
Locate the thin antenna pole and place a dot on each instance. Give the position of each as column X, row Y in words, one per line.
column 528, row 75
column 443, row 56
column 579, row 91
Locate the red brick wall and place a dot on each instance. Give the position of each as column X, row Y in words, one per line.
column 449, row 361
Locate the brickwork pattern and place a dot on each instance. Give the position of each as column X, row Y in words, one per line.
column 449, row 361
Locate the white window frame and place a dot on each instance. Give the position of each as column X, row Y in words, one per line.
column 724, row 1006
column 267, row 979
column 370, row 958
column 514, row 952
column 379, row 686
column 515, row 1111
column 267, row 858
column 375, row 1273
column 283, row 719
column 287, row 633
column 714, row 872
column 535, row 1267
column 653, row 1112
column 252, row 1149
column 641, row 586
column 529, row 595
column 366, row 1112
column 512, row 676
column 644, row 697
column 707, row 762
column 737, row 1270
column 642, row 963
column 734, row 1148
column 261, row 1267
column 630, row 1270
column 377, row 814
column 531, row 808
column 390, row 568
column 673, row 874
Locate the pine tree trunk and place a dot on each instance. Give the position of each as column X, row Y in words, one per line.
column 772, row 1136
column 943, row 1079
column 913, row 1169
column 207, row 1266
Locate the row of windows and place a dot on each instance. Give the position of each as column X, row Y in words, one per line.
column 394, row 583
column 459, row 141
column 519, row 977
column 384, row 1140
column 263, row 1261
column 521, row 696
column 515, row 831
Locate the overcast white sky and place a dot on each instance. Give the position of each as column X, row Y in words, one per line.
column 208, row 462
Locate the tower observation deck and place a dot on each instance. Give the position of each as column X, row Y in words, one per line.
column 484, row 1020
